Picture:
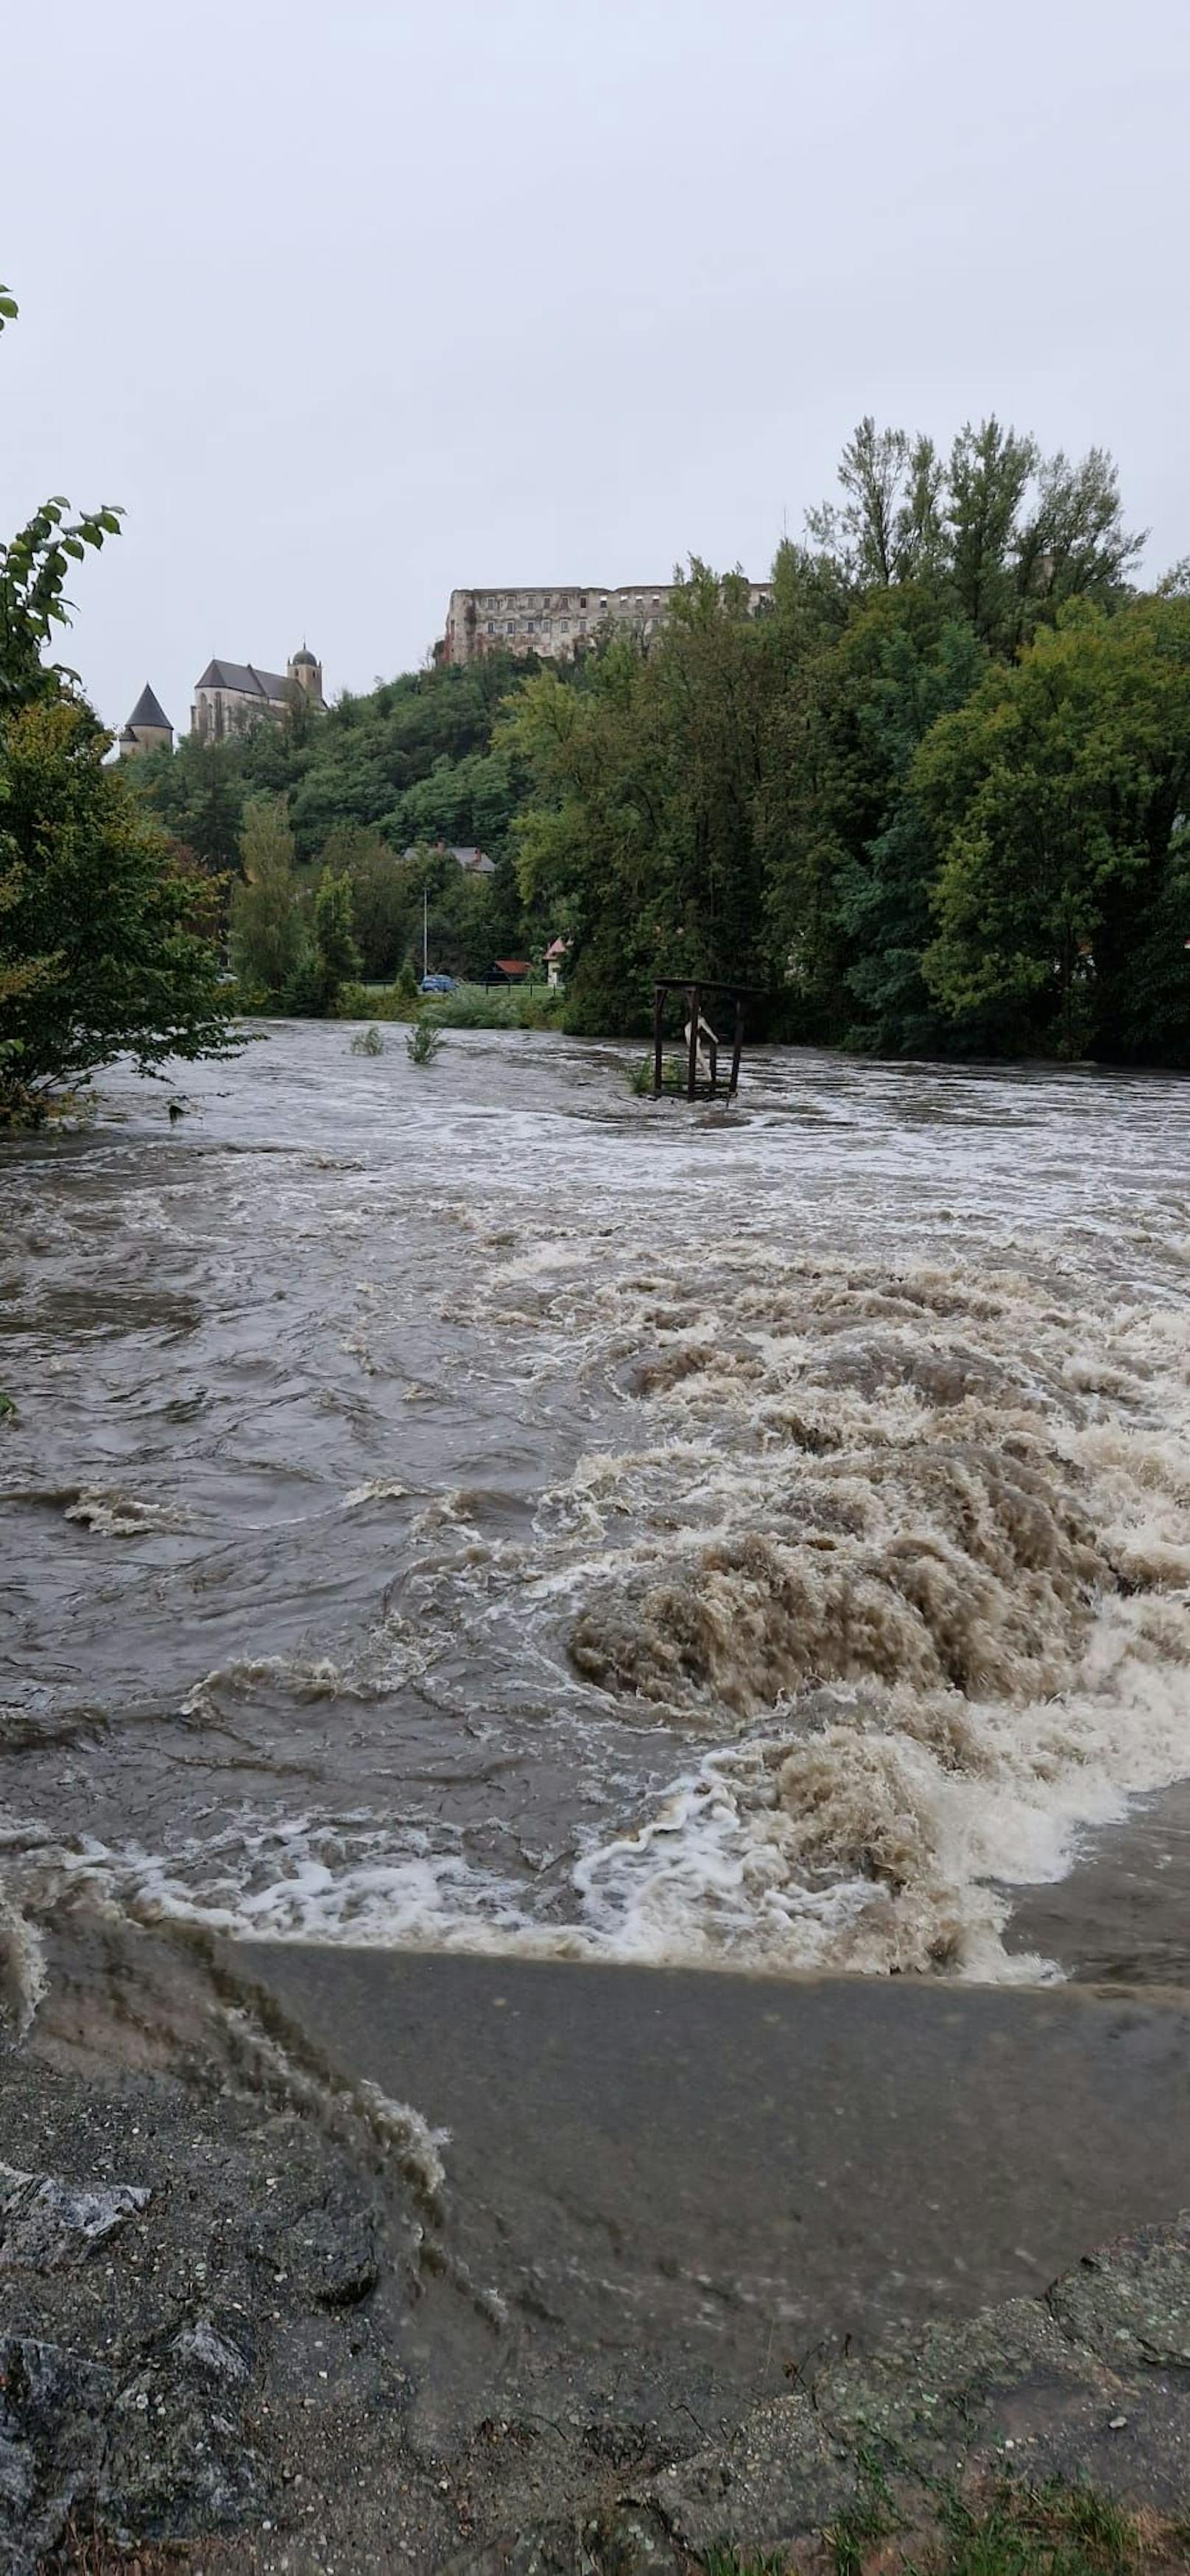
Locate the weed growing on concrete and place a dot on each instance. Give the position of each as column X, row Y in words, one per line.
column 735, row 2562
column 1055, row 2530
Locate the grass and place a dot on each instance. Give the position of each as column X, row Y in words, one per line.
column 1047, row 2531
column 501, row 1006
column 470, row 1006
column 729, row 2562
column 1054, row 2530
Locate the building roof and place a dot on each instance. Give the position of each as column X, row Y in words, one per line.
column 149, row 711
column 477, row 861
column 245, row 680
column 558, row 948
column 305, row 656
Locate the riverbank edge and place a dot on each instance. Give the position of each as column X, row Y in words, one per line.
column 1087, row 2388
column 211, row 2267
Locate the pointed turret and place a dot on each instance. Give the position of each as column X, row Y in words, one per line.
column 148, row 727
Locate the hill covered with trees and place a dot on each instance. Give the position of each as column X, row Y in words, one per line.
column 933, row 798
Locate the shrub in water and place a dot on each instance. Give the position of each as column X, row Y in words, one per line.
column 640, row 1076
column 367, row 1042
column 423, row 1042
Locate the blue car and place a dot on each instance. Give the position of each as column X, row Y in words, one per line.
column 437, row 984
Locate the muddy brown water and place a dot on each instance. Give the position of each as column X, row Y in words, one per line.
column 465, row 1509
column 466, row 1506
column 686, row 2189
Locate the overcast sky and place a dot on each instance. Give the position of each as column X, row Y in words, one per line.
column 348, row 304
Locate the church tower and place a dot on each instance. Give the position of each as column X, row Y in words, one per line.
column 148, row 727
column 306, row 674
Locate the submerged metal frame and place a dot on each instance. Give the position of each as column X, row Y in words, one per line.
column 737, row 994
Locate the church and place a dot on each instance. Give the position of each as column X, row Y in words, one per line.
column 229, row 697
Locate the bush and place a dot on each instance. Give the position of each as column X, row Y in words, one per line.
column 367, row 1042
column 371, row 1002
column 105, row 946
column 422, row 1043
column 306, row 993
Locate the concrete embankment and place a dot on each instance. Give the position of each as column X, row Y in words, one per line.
column 257, row 2306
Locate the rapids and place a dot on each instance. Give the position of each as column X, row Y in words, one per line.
column 468, row 1506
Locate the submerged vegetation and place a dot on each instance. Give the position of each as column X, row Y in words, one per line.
column 423, row 1042
column 641, row 1076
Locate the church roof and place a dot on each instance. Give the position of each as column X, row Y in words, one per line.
column 245, row 679
column 149, row 711
column 305, row 656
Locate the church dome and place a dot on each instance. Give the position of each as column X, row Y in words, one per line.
column 304, row 657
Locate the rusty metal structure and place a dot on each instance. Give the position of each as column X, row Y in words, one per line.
column 702, row 1045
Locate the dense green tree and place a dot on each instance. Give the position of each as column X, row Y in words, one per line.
column 850, row 857
column 380, row 904
column 1145, row 974
column 1006, row 533
column 1055, row 793
column 104, row 946
column 889, row 526
column 335, row 950
column 268, row 935
column 198, row 792
column 639, row 840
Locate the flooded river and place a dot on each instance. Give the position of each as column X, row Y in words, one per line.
column 466, row 1506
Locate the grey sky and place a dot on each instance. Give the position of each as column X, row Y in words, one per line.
column 348, row 304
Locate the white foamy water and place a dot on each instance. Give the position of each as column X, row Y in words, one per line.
column 473, row 1508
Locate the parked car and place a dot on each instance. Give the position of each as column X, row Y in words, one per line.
column 437, row 984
